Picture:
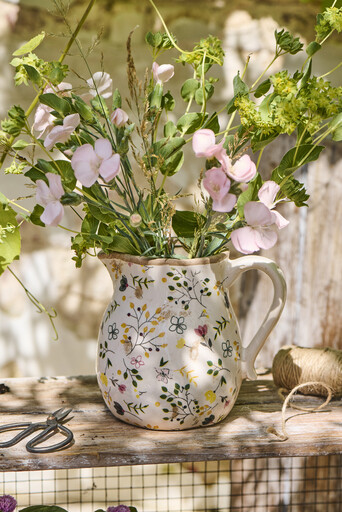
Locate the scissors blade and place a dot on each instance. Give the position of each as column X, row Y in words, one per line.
column 60, row 414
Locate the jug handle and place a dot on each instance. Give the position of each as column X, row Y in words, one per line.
column 236, row 268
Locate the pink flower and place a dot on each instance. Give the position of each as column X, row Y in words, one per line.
column 201, row 330
column 91, row 162
column 61, row 133
column 137, row 362
column 49, row 196
column 122, row 388
column 119, row 117
column 257, row 235
column 203, row 144
column 242, row 171
column 267, row 194
column 163, row 73
column 100, row 84
column 163, row 375
column 43, row 119
column 217, row 184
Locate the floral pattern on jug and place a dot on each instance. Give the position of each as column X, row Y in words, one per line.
column 169, row 344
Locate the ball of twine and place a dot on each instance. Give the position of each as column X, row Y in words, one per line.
column 299, row 365
column 311, row 371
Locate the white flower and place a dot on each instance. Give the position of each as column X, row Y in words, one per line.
column 61, row 133
column 49, row 197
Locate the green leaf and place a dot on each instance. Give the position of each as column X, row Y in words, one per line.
column 20, row 144
column 43, row 508
column 336, row 125
column 61, row 105
column 209, row 91
column 240, row 88
column 116, row 102
column 312, row 48
column 35, row 215
column 170, row 129
column 121, row 244
column 173, row 164
column 33, row 74
column 212, row 123
column 189, row 123
column 294, row 190
column 99, row 105
column 154, row 40
column 168, row 103
column 30, row 45
column 251, row 194
column 260, row 141
column 3, row 199
column 295, row 158
column 71, row 198
column 185, row 223
column 263, row 88
column 10, row 242
column 189, row 88
column 165, row 154
column 83, row 109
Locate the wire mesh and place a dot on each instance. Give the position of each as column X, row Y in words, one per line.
column 296, row 484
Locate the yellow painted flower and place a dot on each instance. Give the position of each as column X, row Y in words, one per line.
column 180, row 343
column 104, row 379
column 210, row 396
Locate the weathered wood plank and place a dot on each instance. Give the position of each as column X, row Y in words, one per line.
column 102, row 440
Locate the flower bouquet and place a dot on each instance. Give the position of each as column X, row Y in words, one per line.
column 110, row 159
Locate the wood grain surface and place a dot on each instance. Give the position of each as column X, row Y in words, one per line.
column 102, row 440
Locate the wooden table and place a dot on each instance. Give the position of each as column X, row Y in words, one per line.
column 102, row 440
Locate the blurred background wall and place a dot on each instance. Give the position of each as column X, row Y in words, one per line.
column 308, row 251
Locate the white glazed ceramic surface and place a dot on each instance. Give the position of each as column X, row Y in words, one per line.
column 169, row 347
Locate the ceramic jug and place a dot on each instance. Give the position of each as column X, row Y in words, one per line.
column 169, row 352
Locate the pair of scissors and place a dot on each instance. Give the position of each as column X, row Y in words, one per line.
column 50, row 427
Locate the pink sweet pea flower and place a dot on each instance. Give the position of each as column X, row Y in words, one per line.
column 61, row 133
column 243, row 169
column 267, row 194
column 203, row 144
column 163, row 73
column 100, row 84
column 119, row 117
column 257, row 235
column 43, row 120
column 49, row 197
column 91, row 162
column 217, row 184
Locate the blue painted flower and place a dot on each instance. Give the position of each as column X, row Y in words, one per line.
column 227, row 349
column 112, row 331
column 177, row 324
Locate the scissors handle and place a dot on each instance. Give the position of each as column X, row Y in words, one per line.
column 27, row 429
column 50, row 431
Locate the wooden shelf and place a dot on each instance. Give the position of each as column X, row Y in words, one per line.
column 102, row 440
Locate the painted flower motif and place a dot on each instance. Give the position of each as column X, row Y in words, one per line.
column 258, row 234
column 119, row 409
column 7, row 503
column 49, row 197
column 217, row 185
column 201, row 330
column 137, row 362
column 119, row 117
column 227, row 349
column 177, row 324
column 90, row 162
column 163, row 375
column 209, row 419
column 122, row 388
column 210, row 396
column 104, row 379
column 163, row 73
column 113, row 332
column 62, row 133
column 267, row 194
column 123, row 284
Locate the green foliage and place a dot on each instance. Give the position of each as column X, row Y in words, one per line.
column 287, row 43
column 9, row 235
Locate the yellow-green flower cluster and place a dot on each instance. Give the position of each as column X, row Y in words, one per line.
column 329, row 20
